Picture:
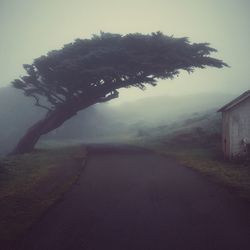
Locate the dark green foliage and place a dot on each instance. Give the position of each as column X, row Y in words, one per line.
column 95, row 68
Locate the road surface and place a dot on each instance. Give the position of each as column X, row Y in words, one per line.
column 132, row 199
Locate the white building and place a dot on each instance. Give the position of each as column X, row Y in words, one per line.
column 236, row 126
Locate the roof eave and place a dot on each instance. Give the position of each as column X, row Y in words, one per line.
column 235, row 101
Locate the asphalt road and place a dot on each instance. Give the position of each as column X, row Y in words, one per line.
column 132, row 199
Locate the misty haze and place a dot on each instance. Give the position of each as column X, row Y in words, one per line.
column 124, row 125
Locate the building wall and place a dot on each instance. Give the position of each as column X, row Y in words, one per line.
column 225, row 134
column 238, row 119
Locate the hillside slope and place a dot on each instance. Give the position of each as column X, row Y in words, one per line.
column 101, row 122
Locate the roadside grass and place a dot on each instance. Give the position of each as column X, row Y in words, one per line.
column 31, row 183
column 209, row 162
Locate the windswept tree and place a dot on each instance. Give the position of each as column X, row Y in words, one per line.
column 90, row 71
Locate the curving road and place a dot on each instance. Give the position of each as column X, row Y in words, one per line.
column 131, row 199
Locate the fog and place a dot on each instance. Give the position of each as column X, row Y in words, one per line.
column 102, row 122
column 31, row 28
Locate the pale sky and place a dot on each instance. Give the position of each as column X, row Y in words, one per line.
column 30, row 28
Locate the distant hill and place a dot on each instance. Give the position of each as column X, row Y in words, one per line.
column 16, row 114
column 101, row 122
column 166, row 109
column 199, row 130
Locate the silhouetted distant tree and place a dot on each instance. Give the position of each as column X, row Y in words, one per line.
column 90, row 71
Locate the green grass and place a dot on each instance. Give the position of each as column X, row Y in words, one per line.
column 31, row 183
column 208, row 162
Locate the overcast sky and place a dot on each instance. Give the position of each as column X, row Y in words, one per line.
column 30, row 28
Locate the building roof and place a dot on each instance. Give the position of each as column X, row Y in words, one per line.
column 235, row 102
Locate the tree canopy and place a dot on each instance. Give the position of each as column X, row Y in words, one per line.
column 95, row 68
column 90, row 71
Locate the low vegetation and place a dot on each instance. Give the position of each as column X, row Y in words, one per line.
column 31, row 183
column 235, row 176
column 196, row 143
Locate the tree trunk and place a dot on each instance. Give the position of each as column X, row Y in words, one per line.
column 50, row 122
column 57, row 117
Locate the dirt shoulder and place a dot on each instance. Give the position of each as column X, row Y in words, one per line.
column 31, row 183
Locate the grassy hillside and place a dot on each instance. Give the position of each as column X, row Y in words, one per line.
column 196, row 142
column 199, row 129
column 33, row 182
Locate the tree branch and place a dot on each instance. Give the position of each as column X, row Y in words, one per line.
column 48, row 93
column 37, row 103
